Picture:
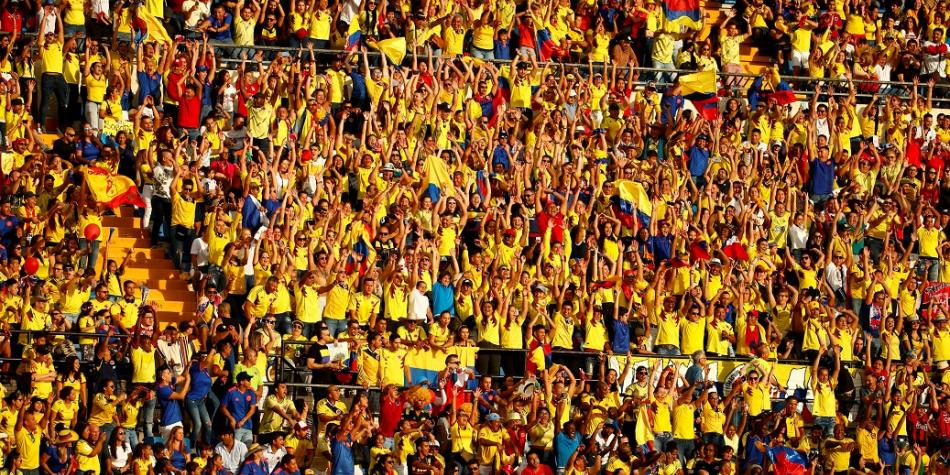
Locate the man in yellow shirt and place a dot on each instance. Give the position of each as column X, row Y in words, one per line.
column 53, row 83
column 29, row 437
column 89, row 447
column 491, row 438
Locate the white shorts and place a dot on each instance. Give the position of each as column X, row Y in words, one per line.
column 800, row 59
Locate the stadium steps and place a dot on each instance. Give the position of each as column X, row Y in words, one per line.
column 151, row 267
column 752, row 61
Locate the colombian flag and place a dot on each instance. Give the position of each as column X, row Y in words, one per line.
column 112, row 190
column 363, row 254
column 424, row 365
column 438, row 177
column 786, row 461
column 547, row 48
column 700, row 88
column 150, row 28
column 682, row 13
column 633, row 202
column 353, row 35
column 783, row 93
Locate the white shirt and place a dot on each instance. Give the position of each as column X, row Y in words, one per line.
column 202, row 10
column 271, row 458
column 232, row 459
column 418, row 305
column 797, row 236
column 835, row 276
column 199, row 249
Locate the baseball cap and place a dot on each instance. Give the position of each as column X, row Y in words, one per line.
column 493, row 417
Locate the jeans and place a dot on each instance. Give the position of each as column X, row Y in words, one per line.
column 131, row 436
column 93, row 257
column 485, row 54
column 660, row 439
column 200, row 419
column 161, row 219
column 933, row 271
column 663, row 77
column 667, row 350
column 244, row 435
column 53, row 85
column 686, row 449
column 148, row 413
column 335, row 326
column 182, row 236
column 826, row 423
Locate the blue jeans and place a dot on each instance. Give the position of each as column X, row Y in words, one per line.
column 244, row 435
column 200, row 419
column 182, row 237
column 90, row 260
column 827, row 424
column 335, row 326
column 483, row 54
column 131, row 436
column 933, row 271
column 667, row 350
column 663, row 77
column 660, row 440
column 686, row 449
column 148, row 413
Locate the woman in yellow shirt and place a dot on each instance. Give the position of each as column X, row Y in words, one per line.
column 823, row 384
column 462, row 431
column 489, row 333
column 96, row 81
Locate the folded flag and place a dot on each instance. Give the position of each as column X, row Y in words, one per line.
column 438, row 177
column 699, row 251
column 112, row 190
column 393, row 48
column 736, row 251
column 353, row 35
column 786, row 461
column 147, row 28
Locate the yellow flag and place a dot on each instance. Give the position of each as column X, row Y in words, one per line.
column 393, row 48
column 156, row 31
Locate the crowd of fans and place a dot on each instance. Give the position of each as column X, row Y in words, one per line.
column 513, row 184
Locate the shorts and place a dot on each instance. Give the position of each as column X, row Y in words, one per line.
column 800, row 59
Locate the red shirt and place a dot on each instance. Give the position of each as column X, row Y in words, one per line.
column 555, row 222
column 189, row 112
column 943, row 424
column 390, row 412
column 541, row 470
column 229, row 170
column 11, row 22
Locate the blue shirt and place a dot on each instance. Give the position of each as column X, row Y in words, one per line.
column 662, row 247
column 342, row 452
column 252, row 468
column 822, row 177
column 443, row 298
column 564, row 446
column 8, row 226
column 200, row 383
column 150, row 85
column 239, row 404
column 503, row 50
column 220, row 35
column 698, row 160
column 621, row 340
column 171, row 411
